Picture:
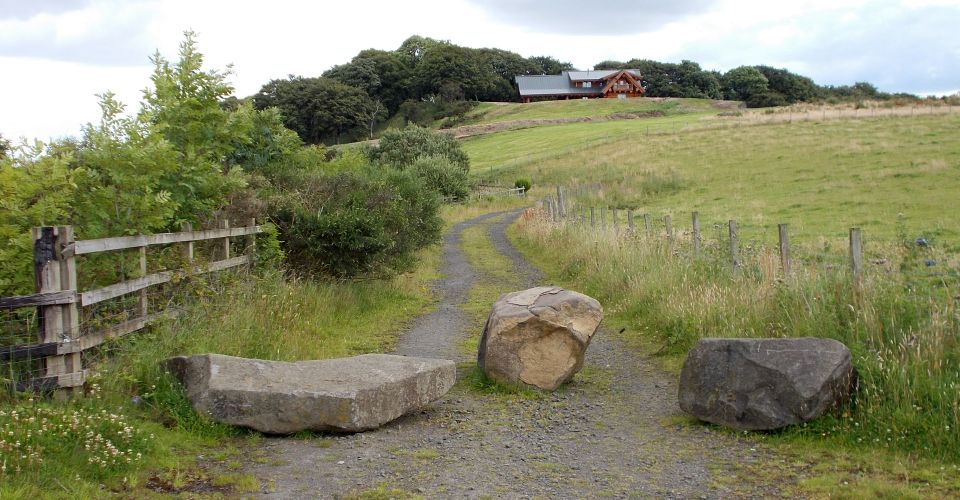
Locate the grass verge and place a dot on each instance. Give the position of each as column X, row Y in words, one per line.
column 904, row 341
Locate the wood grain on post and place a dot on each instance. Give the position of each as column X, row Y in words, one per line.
column 187, row 246
column 70, row 313
column 856, row 253
column 784, row 249
column 251, row 250
column 631, row 224
column 144, row 304
column 734, row 244
column 47, row 274
column 647, row 225
column 613, row 213
column 696, row 233
column 668, row 227
column 225, row 245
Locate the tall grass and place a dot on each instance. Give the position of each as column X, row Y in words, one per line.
column 905, row 338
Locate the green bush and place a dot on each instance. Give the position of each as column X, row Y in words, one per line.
column 438, row 175
column 354, row 223
column 400, row 148
column 522, row 183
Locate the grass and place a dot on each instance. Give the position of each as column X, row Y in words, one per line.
column 141, row 408
column 487, row 113
column 820, row 177
column 905, row 345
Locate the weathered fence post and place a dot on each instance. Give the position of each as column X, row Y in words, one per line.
column 144, row 300
column 856, row 254
column 734, row 244
column 668, row 227
column 603, row 217
column 225, row 245
column 647, row 226
column 696, row 234
column 55, row 272
column 561, row 202
column 593, row 217
column 613, row 213
column 631, row 224
column 187, row 246
column 251, row 249
column 784, row 249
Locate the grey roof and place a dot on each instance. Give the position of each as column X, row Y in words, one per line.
column 551, row 85
column 534, row 85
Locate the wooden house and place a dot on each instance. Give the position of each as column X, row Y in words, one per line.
column 614, row 83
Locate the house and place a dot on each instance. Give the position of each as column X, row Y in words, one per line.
column 580, row 85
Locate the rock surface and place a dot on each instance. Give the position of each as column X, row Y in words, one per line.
column 764, row 384
column 346, row 394
column 538, row 336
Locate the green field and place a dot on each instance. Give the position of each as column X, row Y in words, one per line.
column 489, row 112
column 822, row 177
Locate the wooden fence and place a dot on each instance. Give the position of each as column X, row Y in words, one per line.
column 59, row 303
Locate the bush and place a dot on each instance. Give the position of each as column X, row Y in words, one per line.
column 522, row 183
column 354, row 223
column 438, row 175
column 400, row 148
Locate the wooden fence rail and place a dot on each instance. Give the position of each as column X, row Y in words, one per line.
column 59, row 302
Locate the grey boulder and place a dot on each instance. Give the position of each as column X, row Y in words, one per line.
column 538, row 337
column 277, row 397
column 765, row 384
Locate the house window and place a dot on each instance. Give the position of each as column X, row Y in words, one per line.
column 587, row 85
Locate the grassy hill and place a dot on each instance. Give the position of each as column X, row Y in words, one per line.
column 821, row 176
column 491, row 112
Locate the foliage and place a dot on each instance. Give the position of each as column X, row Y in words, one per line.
column 522, row 182
column 437, row 174
column 353, row 223
column 400, row 148
column 316, row 108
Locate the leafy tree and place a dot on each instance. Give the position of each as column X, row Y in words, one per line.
column 395, row 74
column 546, row 65
column 453, row 72
column 316, row 108
column 505, row 65
column 794, row 88
column 414, row 48
column 359, row 73
column 741, row 83
column 5, row 147
column 442, row 177
column 184, row 108
column 609, row 64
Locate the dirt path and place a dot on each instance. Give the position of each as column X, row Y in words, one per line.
column 611, row 432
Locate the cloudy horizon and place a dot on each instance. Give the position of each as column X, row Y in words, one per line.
column 58, row 54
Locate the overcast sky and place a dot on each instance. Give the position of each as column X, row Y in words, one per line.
column 57, row 54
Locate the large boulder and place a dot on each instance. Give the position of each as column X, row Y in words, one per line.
column 538, row 336
column 276, row 397
column 763, row 384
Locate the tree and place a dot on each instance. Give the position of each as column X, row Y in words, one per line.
column 316, row 108
column 546, row 65
column 359, row 73
column 372, row 112
column 739, row 84
column 395, row 74
column 794, row 88
column 452, row 72
column 5, row 147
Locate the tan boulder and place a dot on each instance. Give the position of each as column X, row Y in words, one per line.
column 538, row 337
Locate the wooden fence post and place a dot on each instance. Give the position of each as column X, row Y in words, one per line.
column 603, row 217
column 188, row 246
column 70, row 313
column 54, row 272
column 593, row 217
column 784, row 249
column 734, row 244
column 856, row 254
column 251, row 249
column 561, row 202
column 225, row 245
column 668, row 227
column 613, row 213
column 631, row 224
column 647, row 226
column 696, row 233
column 144, row 300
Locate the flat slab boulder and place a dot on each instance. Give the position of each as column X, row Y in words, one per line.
column 345, row 395
column 765, row 384
column 538, row 337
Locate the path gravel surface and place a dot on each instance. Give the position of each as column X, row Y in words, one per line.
column 614, row 431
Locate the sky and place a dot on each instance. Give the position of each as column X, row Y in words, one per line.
column 57, row 55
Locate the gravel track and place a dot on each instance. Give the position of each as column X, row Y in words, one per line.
column 613, row 431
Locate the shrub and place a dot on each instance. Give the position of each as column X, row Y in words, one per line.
column 438, row 175
column 522, row 183
column 400, row 148
column 353, row 223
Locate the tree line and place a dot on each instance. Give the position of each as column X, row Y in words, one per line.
column 425, row 80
